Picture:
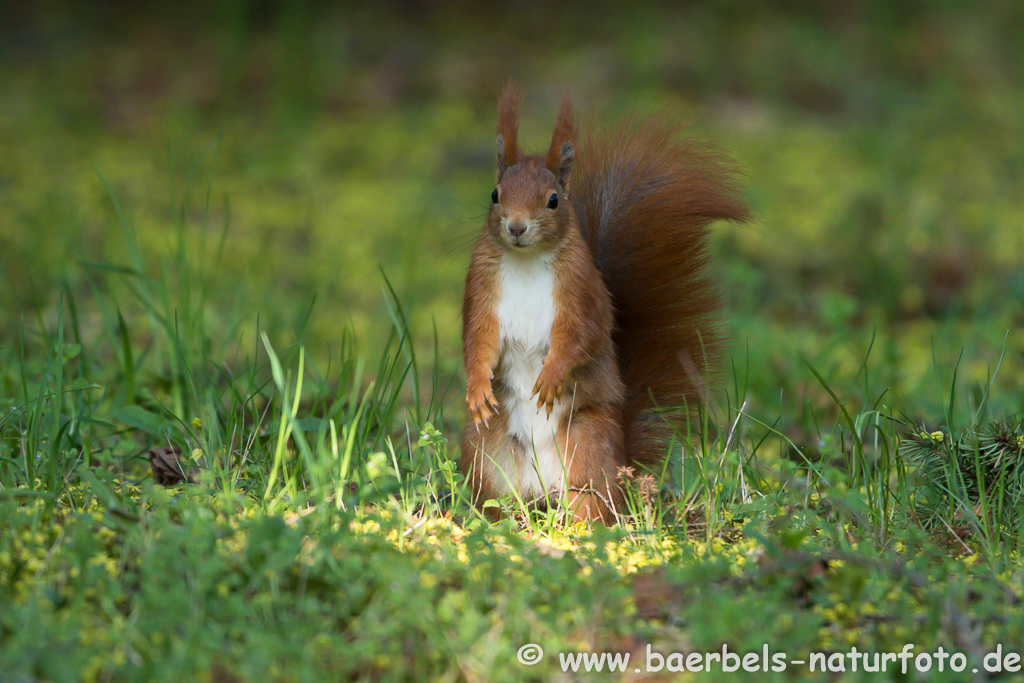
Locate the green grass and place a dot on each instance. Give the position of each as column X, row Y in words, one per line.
column 247, row 243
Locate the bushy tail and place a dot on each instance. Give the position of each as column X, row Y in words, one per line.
column 645, row 197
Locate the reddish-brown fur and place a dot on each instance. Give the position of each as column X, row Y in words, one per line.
column 634, row 323
column 508, row 127
column 645, row 198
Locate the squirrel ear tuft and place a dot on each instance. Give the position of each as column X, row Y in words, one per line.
column 565, row 158
column 508, row 127
column 560, row 154
column 502, row 166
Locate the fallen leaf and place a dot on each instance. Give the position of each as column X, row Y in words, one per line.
column 165, row 461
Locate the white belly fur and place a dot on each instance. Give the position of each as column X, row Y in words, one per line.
column 526, row 311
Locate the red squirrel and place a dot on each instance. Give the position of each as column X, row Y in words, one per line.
column 587, row 306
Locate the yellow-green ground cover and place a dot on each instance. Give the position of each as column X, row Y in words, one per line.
column 152, row 584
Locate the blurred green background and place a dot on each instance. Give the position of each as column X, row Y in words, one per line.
column 286, row 154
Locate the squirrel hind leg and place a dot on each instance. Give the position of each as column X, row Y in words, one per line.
column 485, row 452
column 592, row 444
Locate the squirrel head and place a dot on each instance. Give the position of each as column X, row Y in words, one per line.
column 530, row 204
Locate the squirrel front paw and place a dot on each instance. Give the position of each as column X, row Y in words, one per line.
column 481, row 402
column 549, row 386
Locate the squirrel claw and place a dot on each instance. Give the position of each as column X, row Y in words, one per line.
column 482, row 406
column 547, row 391
column 481, row 402
column 547, row 402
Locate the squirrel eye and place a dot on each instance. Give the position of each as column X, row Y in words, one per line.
column 494, row 196
column 553, row 201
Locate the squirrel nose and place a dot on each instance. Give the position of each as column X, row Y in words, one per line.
column 516, row 228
